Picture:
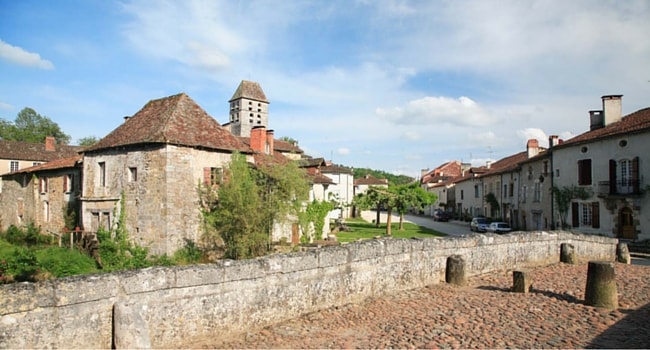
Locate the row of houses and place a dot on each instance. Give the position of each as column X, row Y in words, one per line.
column 602, row 170
column 150, row 166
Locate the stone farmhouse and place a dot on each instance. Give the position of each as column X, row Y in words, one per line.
column 608, row 161
column 152, row 166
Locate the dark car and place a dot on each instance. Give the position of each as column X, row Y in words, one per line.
column 440, row 215
column 479, row 224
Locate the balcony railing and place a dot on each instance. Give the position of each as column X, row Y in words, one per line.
column 620, row 188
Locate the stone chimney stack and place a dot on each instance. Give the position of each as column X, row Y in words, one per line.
column 258, row 139
column 50, row 144
column 612, row 108
column 270, row 141
column 532, row 147
column 553, row 141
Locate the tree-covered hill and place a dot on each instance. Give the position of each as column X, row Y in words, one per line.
column 380, row 174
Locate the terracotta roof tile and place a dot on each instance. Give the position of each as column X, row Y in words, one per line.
column 172, row 120
column 278, row 145
column 370, row 181
column 62, row 163
column 336, row 169
column 250, row 90
column 632, row 123
column 18, row 150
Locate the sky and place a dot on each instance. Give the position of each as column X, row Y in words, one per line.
column 390, row 85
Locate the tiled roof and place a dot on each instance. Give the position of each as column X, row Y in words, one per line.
column 370, row 181
column 262, row 159
column 506, row 164
column 172, row 120
column 278, row 145
column 321, row 179
column 631, row 123
column 17, row 150
column 62, row 163
column 286, row 147
column 336, row 169
column 250, row 90
column 311, row 162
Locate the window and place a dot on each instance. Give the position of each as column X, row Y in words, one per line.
column 13, row 167
column 523, row 194
column 133, row 174
column 36, row 163
column 557, row 172
column 537, row 192
column 102, row 174
column 505, row 190
column 545, row 167
column 512, row 189
column 584, row 172
column 43, row 184
column 212, row 176
column 462, row 195
column 476, row 191
column 46, row 211
column 67, row 183
column 585, row 214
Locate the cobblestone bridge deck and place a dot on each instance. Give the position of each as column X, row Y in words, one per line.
column 483, row 315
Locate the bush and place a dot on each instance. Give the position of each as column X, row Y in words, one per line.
column 190, row 254
column 61, row 262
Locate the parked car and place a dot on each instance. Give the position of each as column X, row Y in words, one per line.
column 440, row 215
column 499, row 227
column 478, row 224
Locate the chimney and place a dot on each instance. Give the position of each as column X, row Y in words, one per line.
column 596, row 120
column 553, row 141
column 258, row 138
column 532, row 147
column 50, row 144
column 126, row 118
column 488, row 164
column 270, row 141
column 613, row 108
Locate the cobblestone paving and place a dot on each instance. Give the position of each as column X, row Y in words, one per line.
column 483, row 315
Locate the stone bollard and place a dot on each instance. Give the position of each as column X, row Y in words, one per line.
column 623, row 253
column 130, row 329
column 521, row 282
column 455, row 272
column 601, row 285
column 568, row 254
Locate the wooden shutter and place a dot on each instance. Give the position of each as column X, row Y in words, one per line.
column 206, row 176
column 635, row 175
column 612, row 176
column 575, row 215
column 595, row 215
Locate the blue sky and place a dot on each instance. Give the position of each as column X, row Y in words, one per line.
column 385, row 84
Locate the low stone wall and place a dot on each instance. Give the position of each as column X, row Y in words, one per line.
column 160, row 307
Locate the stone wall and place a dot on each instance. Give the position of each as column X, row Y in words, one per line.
column 161, row 307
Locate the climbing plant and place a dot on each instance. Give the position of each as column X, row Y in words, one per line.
column 563, row 198
column 315, row 215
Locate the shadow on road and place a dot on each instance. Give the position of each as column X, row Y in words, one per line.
column 632, row 332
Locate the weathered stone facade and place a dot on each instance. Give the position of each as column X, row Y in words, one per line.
column 171, row 305
column 44, row 198
column 160, row 185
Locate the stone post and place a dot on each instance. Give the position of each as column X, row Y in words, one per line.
column 568, row 254
column 601, row 285
column 623, row 253
column 455, row 272
column 521, row 282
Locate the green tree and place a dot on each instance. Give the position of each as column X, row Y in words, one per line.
column 88, row 141
column 410, row 196
column 563, row 198
column 380, row 174
column 30, row 126
column 251, row 201
column 288, row 139
column 491, row 199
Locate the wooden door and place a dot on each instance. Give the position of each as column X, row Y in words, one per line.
column 626, row 224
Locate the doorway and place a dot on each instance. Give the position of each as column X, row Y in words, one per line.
column 626, row 227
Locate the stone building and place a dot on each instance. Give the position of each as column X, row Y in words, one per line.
column 46, row 195
column 151, row 166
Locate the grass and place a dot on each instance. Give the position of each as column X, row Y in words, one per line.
column 362, row 229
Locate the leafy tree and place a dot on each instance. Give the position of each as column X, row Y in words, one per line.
column 251, row 201
column 563, row 198
column 491, row 199
column 410, row 196
column 30, row 126
column 288, row 139
column 88, row 141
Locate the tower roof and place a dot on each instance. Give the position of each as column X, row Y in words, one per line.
column 250, row 90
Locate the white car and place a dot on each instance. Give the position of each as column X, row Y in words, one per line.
column 499, row 227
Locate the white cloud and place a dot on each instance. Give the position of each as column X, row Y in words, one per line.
column 19, row 56
column 533, row 133
column 5, row 106
column 434, row 110
column 342, row 151
column 411, row 135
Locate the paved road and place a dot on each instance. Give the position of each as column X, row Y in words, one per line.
column 451, row 228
